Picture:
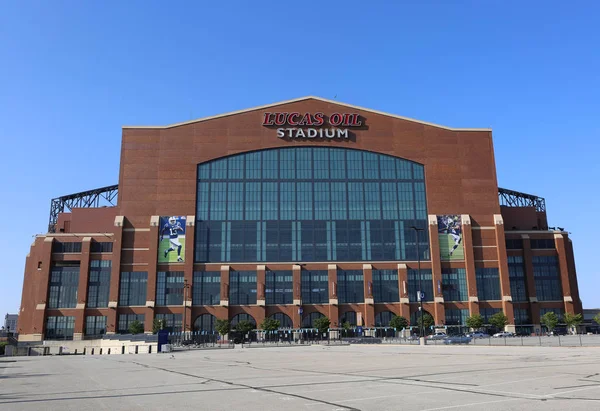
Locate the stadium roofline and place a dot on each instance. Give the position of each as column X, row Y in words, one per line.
column 232, row 113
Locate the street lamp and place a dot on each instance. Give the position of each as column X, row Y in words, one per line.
column 186, row 286
column 421, row 327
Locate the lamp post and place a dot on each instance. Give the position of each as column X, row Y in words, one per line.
column 186, row 286
column 421, row 327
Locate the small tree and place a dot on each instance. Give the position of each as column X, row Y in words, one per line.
column 572, row 320
column 499, row 320
column 597, row 318
column 398, row 322
column 158, row 324
column 244, row 326
column 222, row 327
column 322, row 324
column 136, row 327
column 346, row 326
column 475, row 321
column 550, row 320
column 426, row 323
column 270, row 324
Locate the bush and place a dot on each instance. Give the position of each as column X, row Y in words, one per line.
column 2, row 345
column 322, row 324
column 270, row 324
column 222, row 326
column 136, row 327
column 399, row 323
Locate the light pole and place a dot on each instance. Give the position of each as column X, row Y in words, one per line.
column 186, row 286
column 421, row 327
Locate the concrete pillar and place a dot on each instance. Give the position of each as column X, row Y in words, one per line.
column 84, row 275
column 115, row 275
column 439, row 312
column 297, row 291
column 225, row 286
column 369, row 308
column 507, row 306
column 404, row 306
column 561, row 250
column 470, row 264
column 188, row 269
column 333, row 296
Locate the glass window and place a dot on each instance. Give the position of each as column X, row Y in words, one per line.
column 125, row 321
column 205, row 322
column 242, row 317
column 488, row 284
column 64, row 282
column 309, row 319
column 383, row 319
column 522, row 316
column 278, row 287
column 242, row 287
column 169, row 288
column 60, row 247
column 284, row 320
column 99, row 283
column 516, row 272
column 514, row 244
column 454, row 284
column 101, row 247
column 133, row 288
column 95, row 325
column 545, row 243
column 173, row 322
column 206, row 289
column 385, row 286
column 315, row 287
column 456, row 316
column 350, row 286
column 337, row 205
column 486, row 313
column 60, row 328
column 547, row 278
column 348, row 317
column 426, row 284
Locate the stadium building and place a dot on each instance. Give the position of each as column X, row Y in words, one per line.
column 293, row 211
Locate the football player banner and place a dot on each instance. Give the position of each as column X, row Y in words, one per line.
column 450, row 235
column 171, row 243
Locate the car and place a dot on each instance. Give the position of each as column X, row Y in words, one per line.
column 478, row 334
column 503, row 334
column 437, row 336
column 457, row 339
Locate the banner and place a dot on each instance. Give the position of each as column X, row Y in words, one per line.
column 450, row 235
column 171, row 244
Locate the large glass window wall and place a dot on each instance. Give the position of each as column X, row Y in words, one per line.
column 309, row 204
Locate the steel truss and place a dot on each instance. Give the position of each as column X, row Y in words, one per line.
column 511, row 198
column 99, row 197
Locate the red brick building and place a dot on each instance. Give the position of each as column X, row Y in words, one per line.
column 295, row 210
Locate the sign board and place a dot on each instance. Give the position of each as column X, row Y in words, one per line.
column 296, row 125
column 420, row 296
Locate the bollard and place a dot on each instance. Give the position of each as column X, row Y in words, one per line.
column 84, row 350
column 580, row 343
column 92, row 351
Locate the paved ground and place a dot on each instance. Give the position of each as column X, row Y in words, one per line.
column 317, row 378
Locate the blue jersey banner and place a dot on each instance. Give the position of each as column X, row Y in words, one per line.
column 450, row 235
column 171, row 243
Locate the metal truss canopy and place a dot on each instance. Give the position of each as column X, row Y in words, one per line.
column 99, row 197
column 511, row 198
column 107, row 196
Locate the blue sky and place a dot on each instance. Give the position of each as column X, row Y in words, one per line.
column 72, row 73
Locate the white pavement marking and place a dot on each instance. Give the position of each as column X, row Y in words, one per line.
column 570, row 391
column 471, row 404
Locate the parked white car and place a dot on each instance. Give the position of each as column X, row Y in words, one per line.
column 478, row 334
column 504, row 334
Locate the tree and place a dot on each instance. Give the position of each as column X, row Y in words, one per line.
column 550, row 320
column 475, row 321
column 572, row 320
column 270, row 324
column 597, row 318
column 244, row 326
column 426, row 323
column 158, row 324
column 346, row 326
column 398, row 323
column 222, row 327
column 136, row 327
column 322, row 324
column 499, row 320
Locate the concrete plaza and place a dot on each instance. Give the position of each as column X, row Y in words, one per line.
column 316, row 378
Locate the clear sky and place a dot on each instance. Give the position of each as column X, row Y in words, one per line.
column 72, row 73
